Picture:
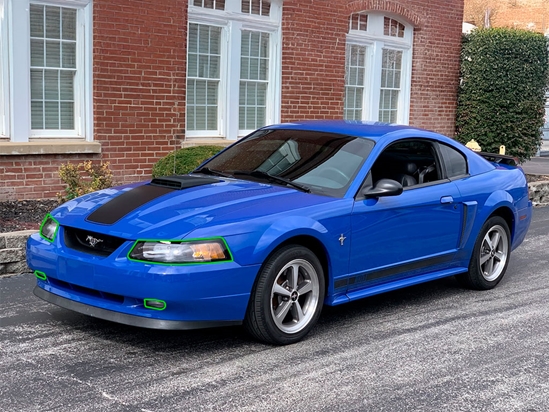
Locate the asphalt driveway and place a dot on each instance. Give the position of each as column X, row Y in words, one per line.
column 432, row 347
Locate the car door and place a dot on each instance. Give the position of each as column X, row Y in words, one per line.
column 415, row 232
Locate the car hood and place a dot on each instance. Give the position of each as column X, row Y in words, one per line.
column 175, row 213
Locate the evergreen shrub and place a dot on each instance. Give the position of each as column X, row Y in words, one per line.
column 186, row 160
column 501, row 98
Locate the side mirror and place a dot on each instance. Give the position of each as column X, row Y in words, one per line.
column 384, row 187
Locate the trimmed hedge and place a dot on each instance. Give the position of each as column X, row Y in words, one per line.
column 186, row 160
column 501, row 98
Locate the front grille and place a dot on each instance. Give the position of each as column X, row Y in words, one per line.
column 70, row 287
column 94, row 243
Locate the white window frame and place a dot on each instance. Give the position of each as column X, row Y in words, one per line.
column 4, row 71
column 374, row 40
column 232, row 22
column 18, row 64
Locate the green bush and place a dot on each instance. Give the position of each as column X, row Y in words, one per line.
column 501, row 99
column 186, row 160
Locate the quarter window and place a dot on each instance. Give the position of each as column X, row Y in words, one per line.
column 454, row 161
column 378, row 69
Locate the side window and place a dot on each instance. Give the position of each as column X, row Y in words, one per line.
column 454, row 162
column 410, row 162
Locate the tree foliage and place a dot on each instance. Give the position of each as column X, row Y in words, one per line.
column 184, row 160
column 501, row 98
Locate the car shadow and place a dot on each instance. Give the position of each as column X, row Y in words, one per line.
column 139, row 341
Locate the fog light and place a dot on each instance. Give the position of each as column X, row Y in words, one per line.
column 40, row 275
column 155, row 304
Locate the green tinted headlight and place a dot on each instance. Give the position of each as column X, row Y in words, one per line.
column 181, row 252
column 49, row 228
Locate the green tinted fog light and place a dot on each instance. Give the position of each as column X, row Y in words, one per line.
column 155, row 304
column 40, row 275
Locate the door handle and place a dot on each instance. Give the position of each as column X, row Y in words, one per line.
column 446, row 200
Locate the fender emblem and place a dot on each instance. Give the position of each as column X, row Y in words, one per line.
column 93, row 241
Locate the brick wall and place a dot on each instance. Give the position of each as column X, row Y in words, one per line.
column 519, row 14
column 313, row 59
column 139, row 79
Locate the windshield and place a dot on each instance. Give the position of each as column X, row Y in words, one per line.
column 323, row 163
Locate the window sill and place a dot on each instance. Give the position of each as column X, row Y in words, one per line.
column 206, row 141
column 47, row 146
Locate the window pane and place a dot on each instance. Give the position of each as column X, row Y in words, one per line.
column 202, row 104
column 254, row 72
column 354, row 82
column 37, row 53
column 53, row 22
column 210, row 4
column 69, row 55
column 203, row 74
column 37, row 115
column 36, row 20
column 69, row 24
column 52, row 88
column 37, row 85
column 391, row 72
column 259, row 7
column 53, row 54
column 67, row 115
column 51, row 84
column 66, row 85
column 51, row 115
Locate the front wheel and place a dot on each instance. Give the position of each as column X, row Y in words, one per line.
column 287, row 298
column 490, row 256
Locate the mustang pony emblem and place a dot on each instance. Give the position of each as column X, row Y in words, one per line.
column 93, row 241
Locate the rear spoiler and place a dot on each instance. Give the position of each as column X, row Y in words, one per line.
column 499, row 158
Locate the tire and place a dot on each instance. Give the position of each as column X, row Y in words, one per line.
column 287, row 297
column 490, row 256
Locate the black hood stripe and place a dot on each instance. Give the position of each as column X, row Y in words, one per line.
column 115, row 209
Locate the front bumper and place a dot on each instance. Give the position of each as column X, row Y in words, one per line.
column 114, row 288
column 124, row 318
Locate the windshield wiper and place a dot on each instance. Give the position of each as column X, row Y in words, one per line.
column 208, row 171
column 264, row 175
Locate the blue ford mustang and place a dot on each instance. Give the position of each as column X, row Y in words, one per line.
column 284, row 221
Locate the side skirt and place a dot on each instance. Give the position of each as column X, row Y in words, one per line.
column 394, row 285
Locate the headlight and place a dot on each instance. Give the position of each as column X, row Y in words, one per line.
column 179, row 252
column 49, row 228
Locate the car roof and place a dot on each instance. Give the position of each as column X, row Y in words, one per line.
column 371, row 130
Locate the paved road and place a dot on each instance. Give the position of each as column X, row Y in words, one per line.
column 537, row 166
column 433, row 347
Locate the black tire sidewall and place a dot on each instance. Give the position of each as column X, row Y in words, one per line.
column 262, row 291
column 476, row 278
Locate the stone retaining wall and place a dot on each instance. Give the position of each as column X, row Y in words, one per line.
column 12, row 252
column 12, row 245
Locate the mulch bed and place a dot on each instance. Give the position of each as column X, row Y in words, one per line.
column 24, row 214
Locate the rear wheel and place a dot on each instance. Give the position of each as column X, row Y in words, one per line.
column 490, row 256
column 287, row 298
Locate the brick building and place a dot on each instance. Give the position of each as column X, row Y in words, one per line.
column 518, row 14
column 128, row 81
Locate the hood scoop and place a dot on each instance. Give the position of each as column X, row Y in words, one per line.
column 179, row 182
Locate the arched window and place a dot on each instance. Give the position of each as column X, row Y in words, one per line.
column 378, row 68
